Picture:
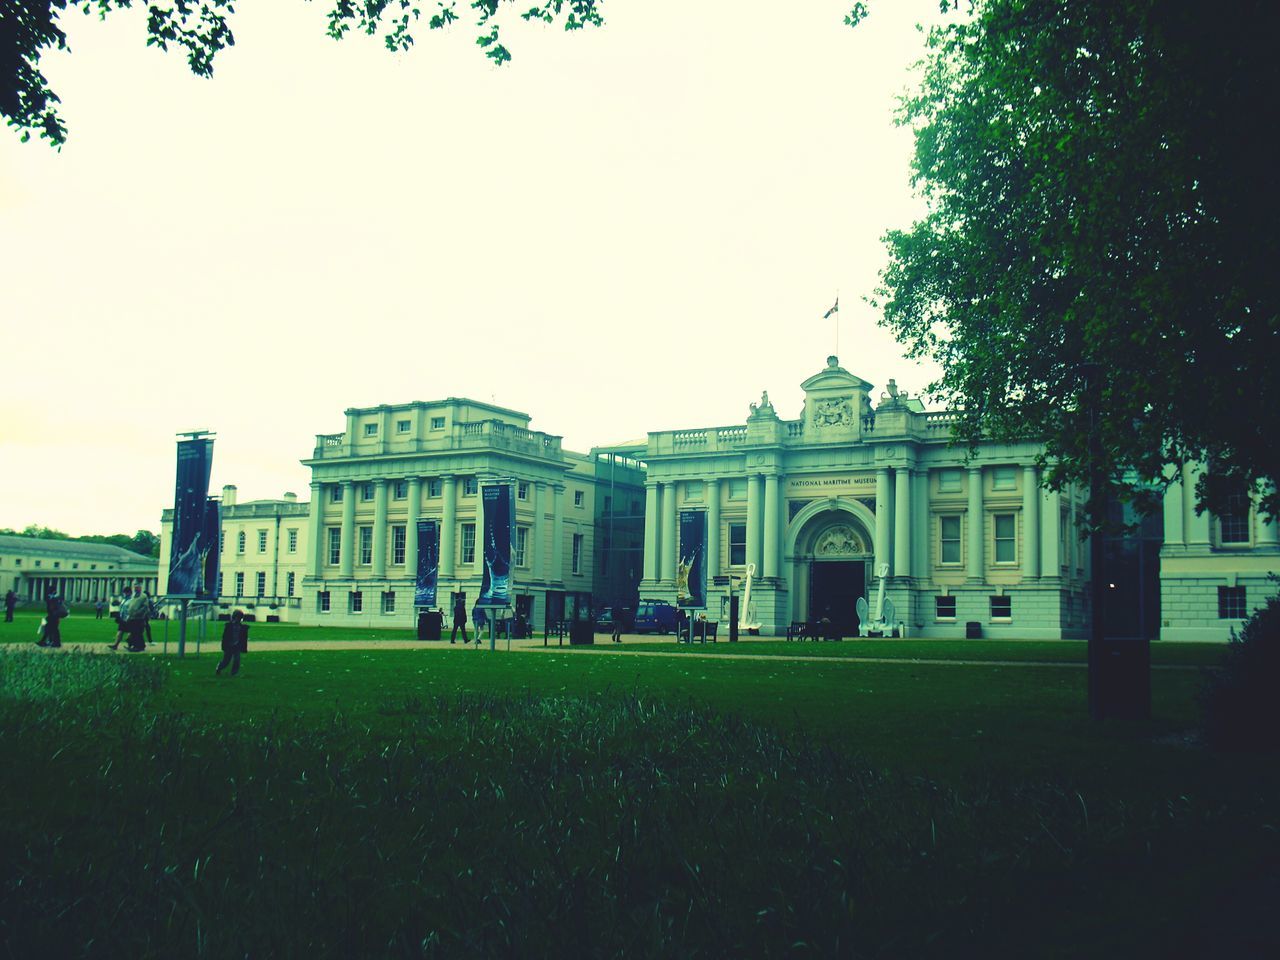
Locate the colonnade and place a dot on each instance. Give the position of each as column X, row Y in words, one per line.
column 85, row 588
column 1183, row 527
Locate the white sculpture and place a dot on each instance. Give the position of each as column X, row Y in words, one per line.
column 881, row 623
column 747, row 622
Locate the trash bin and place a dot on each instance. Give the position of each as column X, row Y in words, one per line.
column 581, row 633
column 973, row 630
column 430, row 625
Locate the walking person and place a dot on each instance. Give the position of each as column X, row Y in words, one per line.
column 235, row 641
column 459, row 619
column 10, row 601
column 54, row 610
column 617, row 624
column 479, row 620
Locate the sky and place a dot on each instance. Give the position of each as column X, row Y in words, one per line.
column 625, row 229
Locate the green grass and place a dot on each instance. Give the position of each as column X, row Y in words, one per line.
column 429, row 802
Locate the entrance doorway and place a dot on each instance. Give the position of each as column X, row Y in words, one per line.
column 834, row 589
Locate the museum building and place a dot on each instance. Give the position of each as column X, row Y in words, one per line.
column 818, row 506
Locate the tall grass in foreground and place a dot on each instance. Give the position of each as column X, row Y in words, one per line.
column 608, row 825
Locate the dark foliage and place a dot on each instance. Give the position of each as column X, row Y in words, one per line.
column 1240, row 701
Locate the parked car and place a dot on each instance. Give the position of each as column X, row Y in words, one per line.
column 604, row 622
column 657, row 616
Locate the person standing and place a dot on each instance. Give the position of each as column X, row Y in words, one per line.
column 54, row 610
column 133, row 620
column 10, row 601
column 98, row 608
column 459, row 619
column 235, row 641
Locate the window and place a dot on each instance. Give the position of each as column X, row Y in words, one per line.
column 335, row 494
column 437, row 423
column 403, row 426
column 57, row 564
column 240, row 542
column 397, row 544
column 239, row 584
column 355, row 601
column 37, row 563
column 1231, row 603
column 370, row 429
column 219, row 583
column 75, row 566
column 389, row 602
column 335, row 545
column 1004, row 478
column 293, row 539
column 693, row 490
column 577, row 552
column 737, row 544
column 366, row 546
column 1006, row 525
column 948, row 481
column 522, row 545
column 949, row 540
column 261, row 584
column 608, row 505
column 468, row 486
column 289, row 583
column 433, row 487
column 522, row 490
column 262, row 541
column 944, row 608
column 322, row 601
column 401, row 490
column 366, row 491
column 1001, row 608
column 577, row 498
column 468, row 543
column 222, row 540
column 737, row 488
column 1233, row 522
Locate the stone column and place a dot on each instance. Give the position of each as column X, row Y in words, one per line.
column 1195, row 527
column 1173, row 513
column 651, row 507
column 753, row 522
column 315, row 529
column 448, row 524
column 1050, row 533
column 772, row 523
column 557, row 532
column 411, row 529
column 920, row 524
column 667, row 534
column 713, row 530
column 1030, row 523
column 380, row 528
column 883, row 547
column 539, row 530
column 975, row 568
column 347, row 559
column 902, row 523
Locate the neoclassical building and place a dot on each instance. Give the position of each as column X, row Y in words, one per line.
column 820, row 504
column 393, row 465
column 81, row 572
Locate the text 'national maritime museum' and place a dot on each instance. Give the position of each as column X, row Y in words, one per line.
column 815, row 508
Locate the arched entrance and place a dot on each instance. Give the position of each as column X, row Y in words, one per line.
column 831, row 554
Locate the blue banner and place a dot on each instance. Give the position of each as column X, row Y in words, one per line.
column 212, row 534
column 691, row 571
column 498, row 502
column 188, row 547
column 424, row 590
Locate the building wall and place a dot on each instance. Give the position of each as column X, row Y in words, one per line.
column 83, row 572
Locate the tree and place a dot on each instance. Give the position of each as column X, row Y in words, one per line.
column 1100, row 203
column 29, row 28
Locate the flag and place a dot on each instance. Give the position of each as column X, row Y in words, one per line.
column 835, row 308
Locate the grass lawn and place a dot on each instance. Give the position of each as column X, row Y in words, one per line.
column 429, row 803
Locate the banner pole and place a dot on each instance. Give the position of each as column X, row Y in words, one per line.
column 182, row 629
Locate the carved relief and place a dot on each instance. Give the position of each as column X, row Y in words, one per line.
column 839, row 541
column 833, row 413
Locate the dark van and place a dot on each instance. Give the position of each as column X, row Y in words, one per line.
column 655, row 616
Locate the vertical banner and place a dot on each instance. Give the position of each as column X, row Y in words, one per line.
column 424, row 589
column 212, row 535
column 691, row 571
column 188, row 548
column 498, row 502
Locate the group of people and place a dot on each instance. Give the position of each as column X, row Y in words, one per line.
column 133, row 619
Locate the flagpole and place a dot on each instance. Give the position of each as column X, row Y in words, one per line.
column 837, row 318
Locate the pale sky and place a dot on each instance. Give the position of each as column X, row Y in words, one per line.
column 625, row 229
